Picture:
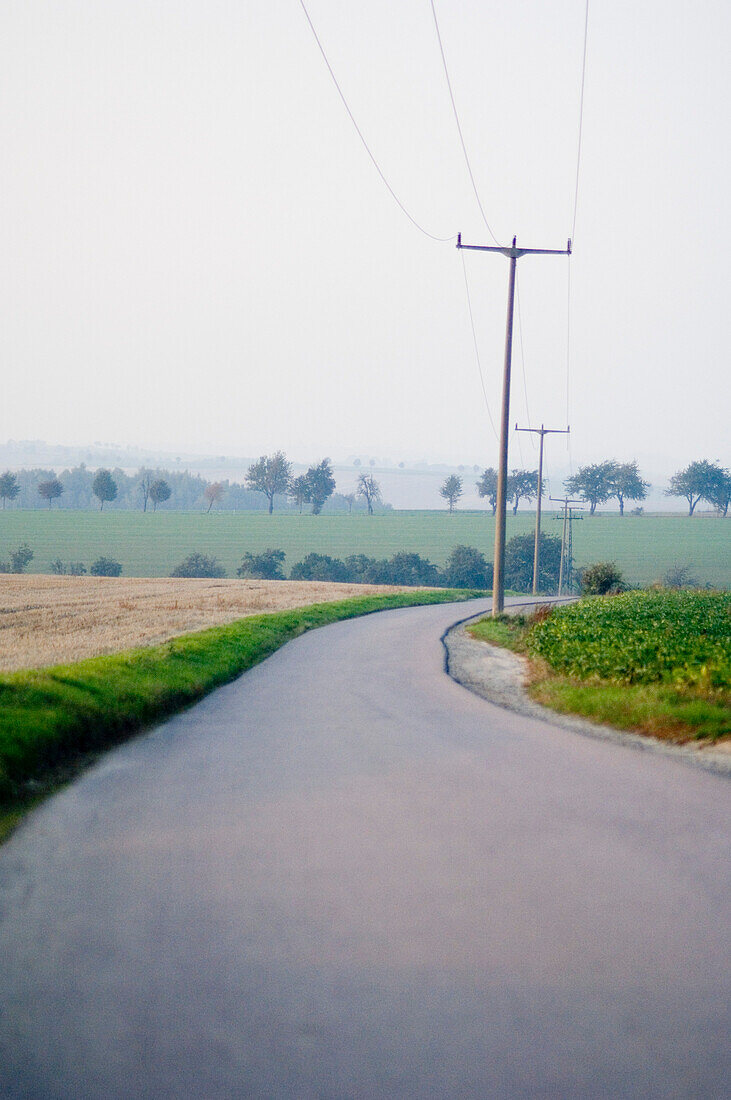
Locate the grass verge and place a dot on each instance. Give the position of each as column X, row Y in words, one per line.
column 675, row 712
column 53, row 720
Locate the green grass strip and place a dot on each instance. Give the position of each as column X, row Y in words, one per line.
column 51, row 717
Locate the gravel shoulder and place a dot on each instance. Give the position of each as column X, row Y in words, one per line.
column 499, row 676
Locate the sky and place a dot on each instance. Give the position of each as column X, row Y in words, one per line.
column 197, row 253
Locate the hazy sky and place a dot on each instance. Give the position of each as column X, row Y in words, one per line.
column 197, row 254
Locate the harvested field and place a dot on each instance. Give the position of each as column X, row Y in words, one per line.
column 47, row 620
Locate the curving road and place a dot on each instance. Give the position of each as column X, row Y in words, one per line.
column 345, row 876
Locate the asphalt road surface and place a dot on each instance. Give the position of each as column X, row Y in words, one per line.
column 346, row 876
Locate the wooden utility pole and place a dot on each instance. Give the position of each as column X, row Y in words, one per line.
column 537, row 548
column 513, row 253
column 566, row 522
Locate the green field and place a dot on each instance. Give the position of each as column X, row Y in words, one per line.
column 150, row 545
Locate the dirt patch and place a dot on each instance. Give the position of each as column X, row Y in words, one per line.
column 48, row 620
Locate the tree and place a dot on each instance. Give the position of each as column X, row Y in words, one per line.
column 602, row 579
column 104, row 487
column 628, row 485
column 698, row 481
column 106, row 567
column 266, row 566
column 270, row 475
column 213, row 493
column 160, row 491
column 467, row 568
column 198, row 565
column 594, row 484
column 299, row 490
column 403, row 568
column 519, row 562
column 522, row 485
column 146, row 479
column 451, row 490
column 320, row 485
column 9, row 487
column 349, row 499
column 20, row 558
column 50, row 490
column 320, row 567
column 487, row 487
column 720, row 496
column 369, row 490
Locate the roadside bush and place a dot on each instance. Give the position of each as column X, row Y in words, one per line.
column 106, row 567
column 519, row 563
column 199, row 565
column 265, row 567
column 403, row 568
column 467, row 567
column 357, row 566
column 320, row 567
column 602, row 579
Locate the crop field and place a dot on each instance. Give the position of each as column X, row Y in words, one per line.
column 150, row 545
column 56, row 620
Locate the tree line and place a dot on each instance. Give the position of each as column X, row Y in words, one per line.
column 603, row 481
column 268, row 480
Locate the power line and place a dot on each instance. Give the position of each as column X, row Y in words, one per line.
column 477, row 350
column 522, row 358
column 581, row 119
column 359, row 132
column 459, row 128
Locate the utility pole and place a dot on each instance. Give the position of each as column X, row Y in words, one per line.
column 566, row 523
column 537, row 548
column 513, row 253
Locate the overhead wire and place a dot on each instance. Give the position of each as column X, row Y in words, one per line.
column 459, row 127
column 477, row 350
column 581, row 118
column 366, row 146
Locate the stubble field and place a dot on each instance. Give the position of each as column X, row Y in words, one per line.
column 56, row 620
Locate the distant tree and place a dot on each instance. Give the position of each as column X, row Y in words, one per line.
column 72, row 568
column 198, row 565
column 106, row 567
column 299, row 490
column 104, row 487
column 451, row 490
column 466, row 567
column 369, row 490
column 160, row 491
column 519, row 562
column 487, row 487
column 595, row 484
column 627, row 484
column 9, row 487
column 602, row 579
column 50, row 490
column 349, row 499
column 357, row 566
column 522, row 485
column 403, row 568
column 270, row 475
column 20, row 558
column 720, row 495
column 213, row 493
column 146, row 479
column 320, row 484
column 699, row 481
column 266, row 566
column 320, row 567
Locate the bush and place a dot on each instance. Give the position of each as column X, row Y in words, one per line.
column 680, row 576
column 602, row 579
column 519, row 563
column 265, row 567
column 20, row 558
column 106, row 567
column 405, row 569
column 357, row 566
column 467, row 568
column 320, row 567
column 199, row 565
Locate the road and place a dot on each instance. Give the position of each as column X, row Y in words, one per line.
column 344, row 875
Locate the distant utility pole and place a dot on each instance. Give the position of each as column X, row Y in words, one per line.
column 537, row 548
column 566, row 524
column 514, row 254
